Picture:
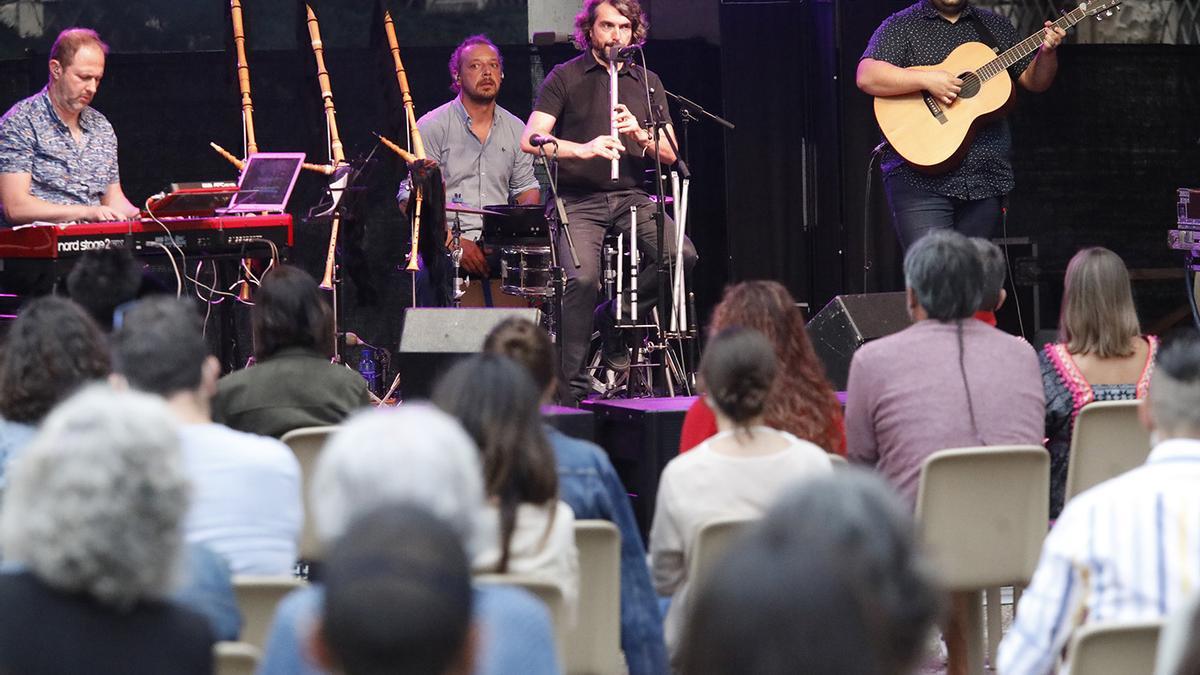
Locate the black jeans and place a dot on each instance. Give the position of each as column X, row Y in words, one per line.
column 916, row 212
column 591, row 217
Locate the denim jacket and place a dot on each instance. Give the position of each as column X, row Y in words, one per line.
column 588, row 483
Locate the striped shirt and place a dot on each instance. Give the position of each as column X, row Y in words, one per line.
column 1126, row 550
column 35, row 140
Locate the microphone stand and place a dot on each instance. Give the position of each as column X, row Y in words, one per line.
column 562, row 224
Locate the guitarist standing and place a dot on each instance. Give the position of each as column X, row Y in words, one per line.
column 969, row 197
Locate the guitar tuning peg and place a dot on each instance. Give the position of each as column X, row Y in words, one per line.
column 1108, row 13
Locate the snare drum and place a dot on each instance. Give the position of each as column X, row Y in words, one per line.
column 526, row 271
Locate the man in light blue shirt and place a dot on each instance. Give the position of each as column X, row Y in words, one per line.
column 477, row 144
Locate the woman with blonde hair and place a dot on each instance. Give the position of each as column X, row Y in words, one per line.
column 803, row 403
column 1101, row 354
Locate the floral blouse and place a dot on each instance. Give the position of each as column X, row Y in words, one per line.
column 1067, row 391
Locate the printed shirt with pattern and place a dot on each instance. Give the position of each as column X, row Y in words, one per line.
column 919, row 36
column 35, row 140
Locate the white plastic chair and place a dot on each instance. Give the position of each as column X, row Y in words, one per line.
column 1107, row 441
column 713, row 538
column 1114, row 649
column 548, row 592
column 235, row 658
column 982, row 513
column 307, row 443
column 593, row 644
column 257, row 597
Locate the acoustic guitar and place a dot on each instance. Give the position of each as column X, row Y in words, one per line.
column 934, row 137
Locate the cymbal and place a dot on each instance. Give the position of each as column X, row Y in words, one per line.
column 452, row 207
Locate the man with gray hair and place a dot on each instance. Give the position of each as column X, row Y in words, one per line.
column 92, row 538
column 420, row 456
column 947, row 381
column 1124, row 550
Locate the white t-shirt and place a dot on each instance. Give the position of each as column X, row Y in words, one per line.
column 539, row 548
column 703, row 485
column 246, row 502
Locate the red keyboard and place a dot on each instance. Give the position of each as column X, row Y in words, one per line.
column 197, row 237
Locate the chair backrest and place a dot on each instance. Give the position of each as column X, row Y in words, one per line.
column 711, row 541
column 593, row 644
column 257, row 597
column 235, row 658
column 982, row 513
column 1108, row 440
column 548, row 592
column 307, row 443
column 1114, row 648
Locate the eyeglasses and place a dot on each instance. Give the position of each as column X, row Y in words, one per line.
column 608, row 27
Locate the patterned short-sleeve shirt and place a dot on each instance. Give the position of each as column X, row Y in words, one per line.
column 35, row 140
column 920, row 36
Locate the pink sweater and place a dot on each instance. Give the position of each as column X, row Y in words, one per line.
column 906, row 400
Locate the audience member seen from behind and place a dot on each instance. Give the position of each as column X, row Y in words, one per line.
column 994, row 272
column 246, row 503
column 1100, row 355
column 499, row 406
column 736, row 473
column 292, row 384
column 829, row 582
column 803, row 403
column 104, row 279
column 589, row 484
column 947, row 381
column 1124, row 550
column 51, row 350
column 92, row 533
column 397, row 597
column 420, row 456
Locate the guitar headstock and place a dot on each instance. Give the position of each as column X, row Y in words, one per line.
column 1099, row 8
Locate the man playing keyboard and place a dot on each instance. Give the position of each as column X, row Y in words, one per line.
column 58, row 155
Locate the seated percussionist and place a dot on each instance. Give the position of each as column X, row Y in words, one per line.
column 477, row 145
column 58, row 155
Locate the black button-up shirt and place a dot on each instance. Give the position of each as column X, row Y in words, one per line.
column 575, row 93
column 919, row 36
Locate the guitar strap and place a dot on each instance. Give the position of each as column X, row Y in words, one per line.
column 985, row 34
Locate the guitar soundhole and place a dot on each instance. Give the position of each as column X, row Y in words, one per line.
column 970, row 85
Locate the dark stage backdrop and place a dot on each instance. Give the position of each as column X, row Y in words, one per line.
column 167, row 107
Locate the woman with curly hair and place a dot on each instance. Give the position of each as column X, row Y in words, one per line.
column 52, row 349
column 802, row 403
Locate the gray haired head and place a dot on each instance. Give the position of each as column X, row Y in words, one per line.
column 994, row 271
column 95, row 503
column 1175, row 388
column 414, row 454
column 944, row 271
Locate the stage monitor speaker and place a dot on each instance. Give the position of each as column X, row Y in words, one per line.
column 434, row 338
column 849, row 321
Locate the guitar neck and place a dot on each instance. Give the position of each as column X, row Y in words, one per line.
column 1028, row 45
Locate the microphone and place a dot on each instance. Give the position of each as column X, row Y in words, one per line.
column 615, row 53
column 538, row 140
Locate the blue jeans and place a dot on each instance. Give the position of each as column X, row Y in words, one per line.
column 916, row 212
column 588, row 483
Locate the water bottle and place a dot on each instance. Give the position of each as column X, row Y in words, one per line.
column 366, row 368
